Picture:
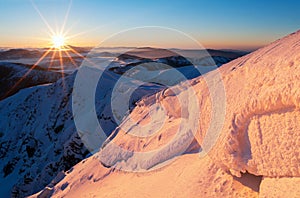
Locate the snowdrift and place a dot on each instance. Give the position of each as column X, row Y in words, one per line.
column 38, row 135
column 256, row 149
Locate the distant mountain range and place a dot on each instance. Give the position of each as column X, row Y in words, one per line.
column 13, row 69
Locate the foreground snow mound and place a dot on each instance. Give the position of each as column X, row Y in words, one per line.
column 280, row 187
column 260, row 132
column 188, row 176
column 38, row 136
column 259, row 136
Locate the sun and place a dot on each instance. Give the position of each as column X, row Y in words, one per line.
column 58, row 41
column 57, row 45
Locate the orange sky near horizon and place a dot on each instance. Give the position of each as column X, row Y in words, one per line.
column 90, row 42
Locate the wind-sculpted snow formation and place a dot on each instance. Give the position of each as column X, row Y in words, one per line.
column 38, row 136
column 256, row 148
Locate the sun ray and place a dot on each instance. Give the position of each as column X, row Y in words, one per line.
column 25, row 75
column 66, row 18
column 75, row 52
column 62, row 52
column 61, row 61
column 51, row 60
column 90, row 30
column 67, row 31
column 88, row 60
column 81, row 56
column 82, row 33
column 62, row 68
column 42, row 17
column 56, row 26
column 70, row 57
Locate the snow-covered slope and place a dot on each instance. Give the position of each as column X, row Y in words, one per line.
column 256, row 136
column 38, row 137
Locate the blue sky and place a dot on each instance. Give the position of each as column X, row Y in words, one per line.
column 215, row 23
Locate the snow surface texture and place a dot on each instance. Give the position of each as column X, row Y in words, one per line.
column 260, row 136
column 38, row 137
column 35, row 149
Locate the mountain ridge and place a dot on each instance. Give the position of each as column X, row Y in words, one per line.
column 259, row 140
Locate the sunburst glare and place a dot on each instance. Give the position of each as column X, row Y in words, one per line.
column 59, row 50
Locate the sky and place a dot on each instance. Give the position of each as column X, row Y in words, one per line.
column 220, row 24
